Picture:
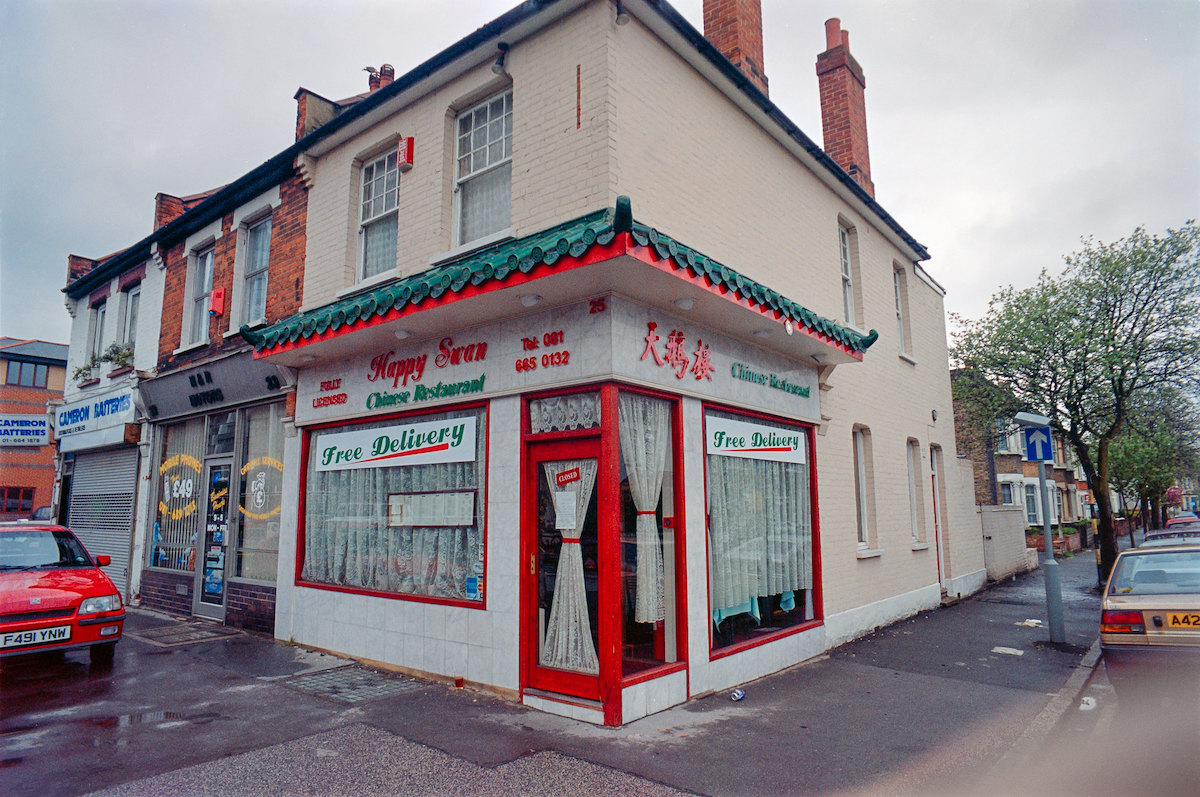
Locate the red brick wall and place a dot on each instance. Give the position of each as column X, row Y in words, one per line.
column 250, row 606
column 844, row 106
column 167, row 591
column 735, row 28
column 285, row 279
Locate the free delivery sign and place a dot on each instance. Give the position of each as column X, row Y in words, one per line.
column 426, row 443
column 730, row 438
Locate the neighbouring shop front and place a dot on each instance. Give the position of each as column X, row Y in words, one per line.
column 213, row 547
column 603, row 507
column 98, row 445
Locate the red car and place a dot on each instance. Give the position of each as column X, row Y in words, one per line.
column 53, row 595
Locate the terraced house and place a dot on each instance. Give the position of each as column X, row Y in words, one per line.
column 587, row 415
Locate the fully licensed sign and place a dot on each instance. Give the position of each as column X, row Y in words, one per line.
column 24, row 430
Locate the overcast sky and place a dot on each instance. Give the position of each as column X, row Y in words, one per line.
column 1001, row 131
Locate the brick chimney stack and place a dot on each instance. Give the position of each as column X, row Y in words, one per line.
column 735, row 28
column 377, row 80
column 843, row 107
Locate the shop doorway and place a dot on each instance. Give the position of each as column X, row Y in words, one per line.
column 209, row 589
column 562, row 584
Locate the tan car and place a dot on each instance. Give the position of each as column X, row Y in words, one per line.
column 1150, row 619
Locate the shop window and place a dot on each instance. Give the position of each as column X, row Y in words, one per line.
column 484, row 168
column 916, row 510
column 24, row 374
column 201, row 282
column 260, row 493
column 564, row 413
column 378, row 216
column 254, row 280
column 648, row 543
column 17, row 499
column 403, row 529
column 221, row 431
column 760, row 535
column 181, row 490
column 864, row 486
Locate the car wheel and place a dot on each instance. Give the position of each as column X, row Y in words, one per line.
column 102, row 654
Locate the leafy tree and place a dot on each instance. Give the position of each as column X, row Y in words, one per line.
column 1085, row 346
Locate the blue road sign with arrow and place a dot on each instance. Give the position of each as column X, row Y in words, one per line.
column 1037, row 444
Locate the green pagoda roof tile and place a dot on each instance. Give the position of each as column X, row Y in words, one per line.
column 573, row 238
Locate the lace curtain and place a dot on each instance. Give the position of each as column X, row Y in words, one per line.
column 563, row 413
column 645, row 430
column 568, row 642
column 760, row 531
column 348, row 541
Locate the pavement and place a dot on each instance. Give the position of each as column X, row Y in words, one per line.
column 967, row 698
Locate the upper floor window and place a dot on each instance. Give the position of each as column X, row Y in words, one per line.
column 484, row 168
column 378, row 217
column 1002, row 434
column 96, row 328
column 846, row 254
column 900, row 289
column 258, row 250
column 863, row 484
column 131, row 299
column 26, row 374
column 1006, row 493
column 202, row 282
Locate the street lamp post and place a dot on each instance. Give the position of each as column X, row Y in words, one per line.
column 1041, row 450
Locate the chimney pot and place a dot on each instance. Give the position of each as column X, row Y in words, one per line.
column 833, row 33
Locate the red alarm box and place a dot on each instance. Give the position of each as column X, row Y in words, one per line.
column 405, row 152
column 216, row 302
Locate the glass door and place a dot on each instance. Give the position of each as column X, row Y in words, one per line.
column 562, row 607
column 209, row 592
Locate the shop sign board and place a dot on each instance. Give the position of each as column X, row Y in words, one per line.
column 89, row 415
column 424, row 443
column 24, row 430
column 596, row 339
column 210, row 386
column 732, row 438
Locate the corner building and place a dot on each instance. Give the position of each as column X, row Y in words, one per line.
column 612, row 387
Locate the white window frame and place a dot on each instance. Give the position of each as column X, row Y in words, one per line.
column 1002, row 437
column 96, row 317
column 846, row 256
column 200, row 295
column 935, row 478
column 131, row 299
column 249, row 273
column 914, row 470
column 1005, row 501
column 900, row 288
column 373, row 188
column 481, row 150
column 861, row 486
column 1033, row 513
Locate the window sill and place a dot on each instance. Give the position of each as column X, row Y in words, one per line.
column 869, row 553
column 920, row 546
column 119, row 371
column 191, row 347
column 908, row 358
column 368, row 283
column 467, row 248
column 88, row 382
column 237, row 333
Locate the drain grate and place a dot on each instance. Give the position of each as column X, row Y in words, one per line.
column 169, row 636
column 352, row 684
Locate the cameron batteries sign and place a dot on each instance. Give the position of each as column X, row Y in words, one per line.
column 730, row 438
column 450, row 440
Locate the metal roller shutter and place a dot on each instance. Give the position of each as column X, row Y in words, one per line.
column 101, row 512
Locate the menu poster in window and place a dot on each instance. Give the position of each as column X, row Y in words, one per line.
column 431, row 509
column 564, row 510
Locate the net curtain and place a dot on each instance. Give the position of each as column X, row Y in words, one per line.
column 348, row 541
column 645, row 429
column 568, row 642
column 760, row 531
